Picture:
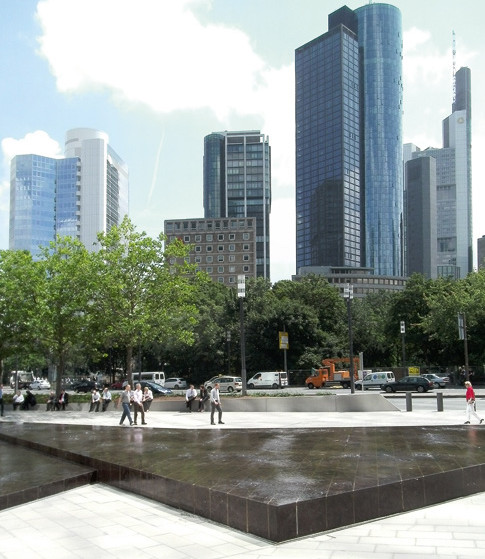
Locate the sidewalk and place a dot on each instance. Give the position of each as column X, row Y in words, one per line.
column 97, row 519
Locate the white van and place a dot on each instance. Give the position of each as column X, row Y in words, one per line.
column 157, row 377
column 375, row 380
column 268, row 379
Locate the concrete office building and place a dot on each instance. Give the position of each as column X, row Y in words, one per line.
column 454, row 185
column 421, row 227
column 79, row 196
column 349, row 176
column 237, row 184
column 223, row 248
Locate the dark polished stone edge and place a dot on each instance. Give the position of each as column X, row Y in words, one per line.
column 273, row 522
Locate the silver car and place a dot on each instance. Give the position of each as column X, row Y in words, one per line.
column 175, row 383
column 226, row 383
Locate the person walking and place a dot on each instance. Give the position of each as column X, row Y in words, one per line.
column 470, row 403
column 125, row 399
column 138, row 404
column 216, row 404
column 190, row 396
column 147, row 398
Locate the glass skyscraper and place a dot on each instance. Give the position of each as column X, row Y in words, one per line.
column 349, row 199
column 237, row 183
column 78, row 196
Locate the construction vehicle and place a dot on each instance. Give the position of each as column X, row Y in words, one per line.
column 327, row 374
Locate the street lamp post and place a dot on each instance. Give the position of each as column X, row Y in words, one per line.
column 228, row 339
column 349, row 295
column 241, row 293
column 403, row 335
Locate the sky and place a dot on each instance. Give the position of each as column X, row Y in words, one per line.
column 159, row 75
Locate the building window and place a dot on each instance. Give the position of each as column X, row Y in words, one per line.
column 232, row 248
column 209, row 269
column 208, row 248
column 208, row 259
column 220, row 258
column 232, row 237
column 245, row 268
column 245, row 247
column 220, row 248
column 220, row 237
column 198, row 238
column 198, row 259
column 208, row 238
column 186, row 239
column 220, row 269
column 246, row 257
column 220, row 280
column 232, row 258
column 245, row 236
column 197, row 249
column 232, row 269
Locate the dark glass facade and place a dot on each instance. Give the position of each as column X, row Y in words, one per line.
column 328, row 151
column 349, row 198
column 380, row 42
column 43, row 201
column 237, row 183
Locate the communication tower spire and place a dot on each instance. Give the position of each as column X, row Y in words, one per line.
column 454, row 65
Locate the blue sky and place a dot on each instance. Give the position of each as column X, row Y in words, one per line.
column 159, row 75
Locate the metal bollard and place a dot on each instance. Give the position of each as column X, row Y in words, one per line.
column 409, row 401
column 439, row 400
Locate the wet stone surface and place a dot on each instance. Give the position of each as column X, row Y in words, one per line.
column 278, row 484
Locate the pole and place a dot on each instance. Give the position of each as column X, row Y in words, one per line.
column 403, row 337
column 465, row 343
column 241, row 293
column 349, row 294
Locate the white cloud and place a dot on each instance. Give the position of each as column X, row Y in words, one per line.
column 38, row 142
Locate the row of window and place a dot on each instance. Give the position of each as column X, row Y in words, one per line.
column 220, row 269
column 210, row 238
column 220, row 258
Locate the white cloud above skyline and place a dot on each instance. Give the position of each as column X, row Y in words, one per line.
column 174, row 58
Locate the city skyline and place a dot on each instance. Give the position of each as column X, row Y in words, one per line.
column 157, row 97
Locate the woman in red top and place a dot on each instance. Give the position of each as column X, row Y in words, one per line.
column 470, row 403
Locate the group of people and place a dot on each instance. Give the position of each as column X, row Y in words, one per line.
column 57, row 402
column 141, row 401
column 24, row 402
column 191, row 396
column 97, row 398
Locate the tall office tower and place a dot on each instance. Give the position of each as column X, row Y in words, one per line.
column 104, row 182
column 43, row 201
column 349, row 180
column 78, row 196
column 237, row 183
column 420, row 196
column 454, row 185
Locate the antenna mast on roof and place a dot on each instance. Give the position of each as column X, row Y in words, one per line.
column 454, row 65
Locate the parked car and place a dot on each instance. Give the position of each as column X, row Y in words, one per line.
column 175, row 383
column 418, row 383
column 226, row 383
column 41, row 384
column 85, row 386
column 157, row 389
column 438, row 382
column 375, row 380
column 117, row 385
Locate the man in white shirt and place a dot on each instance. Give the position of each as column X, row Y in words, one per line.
column 94, row 401
column 216, row 404
column 138, row 404
column 190, row 396
column 106, row 397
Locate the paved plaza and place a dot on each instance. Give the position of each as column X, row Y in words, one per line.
column 101, row 519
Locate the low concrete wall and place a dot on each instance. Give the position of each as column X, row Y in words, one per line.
column 330, row 403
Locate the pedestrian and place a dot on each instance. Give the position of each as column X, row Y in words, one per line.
column 17, row 400
column 190, row 396
column 51, row 403
column 1, row 400
column 216, row 404
column 203, row 397
column 30, row 401
column 62, row 400
column 125, row 399
column 147, row 398
column 105, row 398
column 138, row 404
column 470, row 403
column 94, row 400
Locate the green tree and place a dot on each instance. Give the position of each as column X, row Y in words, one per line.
column 20, row 280
column 65, row 302
column 144, row 292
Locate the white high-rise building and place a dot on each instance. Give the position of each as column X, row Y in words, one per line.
column 80, row 195
column 104, row 182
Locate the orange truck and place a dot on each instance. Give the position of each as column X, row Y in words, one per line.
column 327, row 374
